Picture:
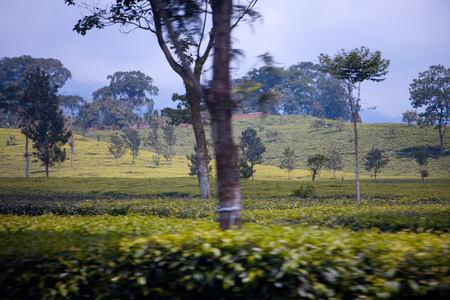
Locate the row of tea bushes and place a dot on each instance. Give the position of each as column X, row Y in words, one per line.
column 141, row 257
column 386, row 215
column 383, row 217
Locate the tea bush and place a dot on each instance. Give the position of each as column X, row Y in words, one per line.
column 140, row 257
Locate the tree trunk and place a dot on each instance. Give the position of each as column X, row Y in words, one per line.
column 46, row 169
column 355, row 122
column 200, row 138
column 289, row 174
column 441, row 140
column 220, row 106
column 27, row 158
column 72, row 146
column 313, row 176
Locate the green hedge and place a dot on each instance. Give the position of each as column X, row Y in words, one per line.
column 386, row 215
column 142, row 257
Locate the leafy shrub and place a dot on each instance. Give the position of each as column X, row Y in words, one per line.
column 304, row 191
column 137, row 257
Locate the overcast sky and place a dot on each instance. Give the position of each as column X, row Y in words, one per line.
column 412, row 34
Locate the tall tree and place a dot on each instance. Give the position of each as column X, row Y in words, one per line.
column 315, row 163
column 12, row 73
column 132, row 141
column 117, row 148
column 252, row 148
column 45, row 123
column 432, row 91
column 131, row 90
column 183, row 36
column 354, row 67
column 185, row 24
column 375, row 160
column 288, row 161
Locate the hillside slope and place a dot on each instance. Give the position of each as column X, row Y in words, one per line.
column 400, row 141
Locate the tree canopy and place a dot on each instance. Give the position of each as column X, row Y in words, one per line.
column 315, row 163
column 432, row 91
column 299, row 89
column 375, row 160
column 12, row 74
column 252, row 148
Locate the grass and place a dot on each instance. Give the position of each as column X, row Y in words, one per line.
column 400, row 141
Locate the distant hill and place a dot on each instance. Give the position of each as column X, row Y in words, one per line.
column 374, row 116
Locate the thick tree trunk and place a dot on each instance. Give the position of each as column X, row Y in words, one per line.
column 200, row 138
column 46, row 170
column 227, row 170
column 27, row 158
column 220, row 106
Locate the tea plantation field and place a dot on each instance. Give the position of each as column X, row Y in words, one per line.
column 135, row 231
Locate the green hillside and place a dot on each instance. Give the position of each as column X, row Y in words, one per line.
column 400, row 141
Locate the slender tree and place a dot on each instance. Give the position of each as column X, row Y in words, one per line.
column 44, row 123
column 432, row 91
column 421, row 158
column 170, row 138
column 252, row 148
column 132, row 141
column 315, row 163
column 334, row 161
column 354, row 67
column 181, row 30
column 288, row 161
column 375, row 160
column 117, row 148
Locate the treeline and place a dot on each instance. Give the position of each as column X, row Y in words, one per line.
column 301, row 89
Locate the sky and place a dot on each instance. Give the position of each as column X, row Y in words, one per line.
column 412, row 34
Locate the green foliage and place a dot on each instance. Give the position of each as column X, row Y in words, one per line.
column 132, row 141
column 375, row 160
column 245, row 170
column 193, row 165
column 410, row 116
column 153, row 140
column 424, row 174
column 137, row 257
column 117, row 148
column 334, row 161
column 356, row 65
column 431, row 90
column 288, row 161
column 315, row 164
column 44, row 123
column 306, row 191
column 170, row 138
column 252, row 148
